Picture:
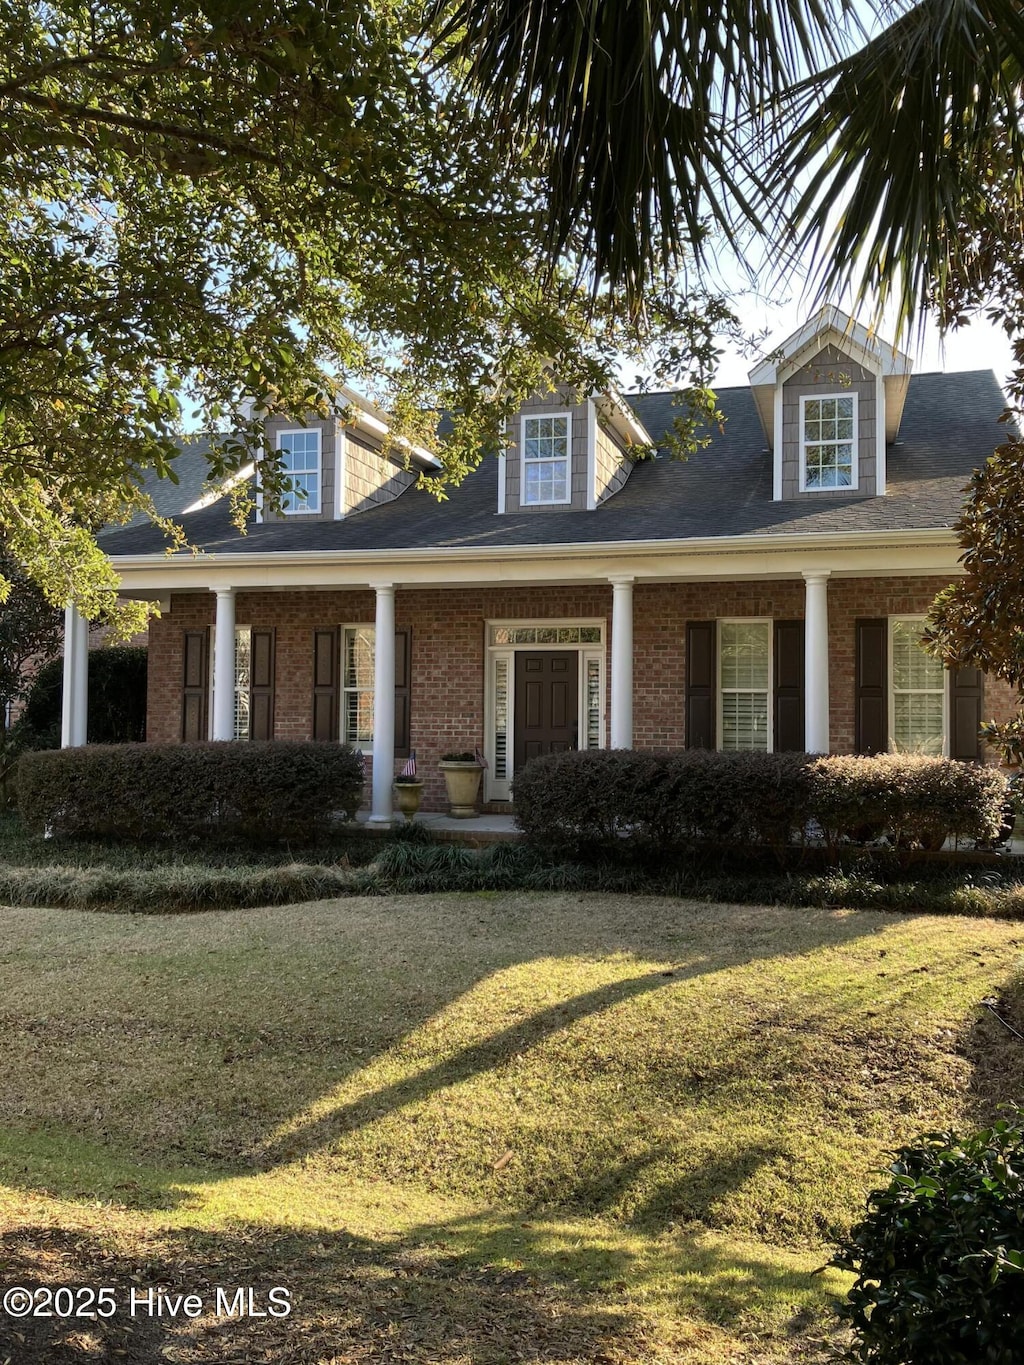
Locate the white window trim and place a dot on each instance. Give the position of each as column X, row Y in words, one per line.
column 499, row 789
column 366, row 748
column 543, row 416
column 307, row 510
column 340, row 471
column 769, row 621
column 591, row 455
column 891, row 688
column 854, row 483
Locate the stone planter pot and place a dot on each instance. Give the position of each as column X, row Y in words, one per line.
column 463, row 783
column 407, row 797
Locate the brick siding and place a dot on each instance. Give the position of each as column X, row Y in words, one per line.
column 448, row 647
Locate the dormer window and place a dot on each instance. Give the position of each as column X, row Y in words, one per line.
column 300, row 460
column 828, row 444
column 546, row 473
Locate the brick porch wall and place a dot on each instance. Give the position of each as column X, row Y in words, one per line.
column 448, row 645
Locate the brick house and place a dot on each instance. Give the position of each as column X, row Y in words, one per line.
column 766, row 594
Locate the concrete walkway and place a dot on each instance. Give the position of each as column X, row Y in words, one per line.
column 481, row 829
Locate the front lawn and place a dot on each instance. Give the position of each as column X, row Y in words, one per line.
column 475, row 1128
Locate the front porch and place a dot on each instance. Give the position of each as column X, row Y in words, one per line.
column 598, row 650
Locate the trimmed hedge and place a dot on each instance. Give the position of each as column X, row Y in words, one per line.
column 650, row 802
column 267, row 790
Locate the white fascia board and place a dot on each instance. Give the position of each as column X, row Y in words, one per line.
column 831, row 323
column 614, row 408
column 373, row 420
column 221, row 490
column 929, row 551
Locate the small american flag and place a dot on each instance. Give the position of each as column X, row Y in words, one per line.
column 410, row 768
column 481, row 760
column 361, row 758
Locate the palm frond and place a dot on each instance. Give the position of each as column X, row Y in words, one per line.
column 630, row 110
column 894, row 149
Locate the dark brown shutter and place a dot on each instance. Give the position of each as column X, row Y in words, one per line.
column 403, row 688
column 871, row 686
column 326, row 699
column 701, row 685
column 261, row 685
column 195, row 686
column 966, row 694
column 789, row 686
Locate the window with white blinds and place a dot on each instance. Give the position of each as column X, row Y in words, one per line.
column 917, row 691
column 358, row 662
column 744, row 685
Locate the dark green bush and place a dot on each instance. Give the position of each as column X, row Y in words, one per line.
column 171, row 791
column 630, row 802
column 939, row 1258
column 117, row 700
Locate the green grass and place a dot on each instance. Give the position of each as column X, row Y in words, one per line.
column 576, row 1127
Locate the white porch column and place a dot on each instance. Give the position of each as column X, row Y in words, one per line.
column 622, row 663
column 75, row 701
column 224, row 666
column 816, row 735
column 383, row 704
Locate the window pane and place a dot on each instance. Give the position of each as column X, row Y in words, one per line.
column 744, row 721
column 918, row 685
column 745, row 647
column 545, row 459
column 243, row 659
column 357, row 682
column 501, row 718
column 912, row 667
column 917, row 723
column 593, row 703
column 300, row 458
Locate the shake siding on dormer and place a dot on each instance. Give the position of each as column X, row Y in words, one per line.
column 595, row 474
column 370, row 477
column 611, row 466
column 326, row 428
column 367, row 478
column 541, row 406
column 830, row 372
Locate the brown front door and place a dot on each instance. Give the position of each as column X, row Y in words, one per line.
column 547, row 703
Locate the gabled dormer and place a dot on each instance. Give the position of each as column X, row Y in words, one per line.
column 830, row 399
column 563, row 452
column 341, row 465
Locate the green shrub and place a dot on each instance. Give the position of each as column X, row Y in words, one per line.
column 916, row 802
column 644, row 802
column 170, row 791
column 939, row 1258
column 117, row 699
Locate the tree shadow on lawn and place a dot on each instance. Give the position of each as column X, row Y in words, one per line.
column 498, row 1049
column 741, row 938
column 353, row 1300
column 487, row 1289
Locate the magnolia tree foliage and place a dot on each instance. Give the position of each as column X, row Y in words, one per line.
column 31, row 631
column 227, row 210
column 979, row 620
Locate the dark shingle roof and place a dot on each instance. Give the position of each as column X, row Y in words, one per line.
column 950, row 426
